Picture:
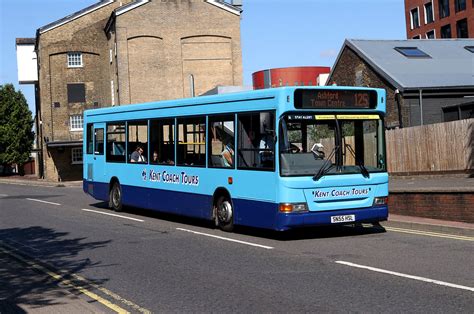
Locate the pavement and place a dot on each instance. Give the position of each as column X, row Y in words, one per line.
column 34, row 181
column 432, row 183
column 41, row 293
column 28, row 287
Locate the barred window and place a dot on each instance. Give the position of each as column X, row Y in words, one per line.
column 74, row 60
column 76, row 155
column 76, row 123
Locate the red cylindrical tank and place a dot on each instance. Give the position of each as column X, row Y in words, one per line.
column 292, row 76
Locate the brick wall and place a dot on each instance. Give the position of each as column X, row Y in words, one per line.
column 444, row 206
column 351, row 70
column 66, row 171
column 438, row 23
column 86, row 35
column 161, row 43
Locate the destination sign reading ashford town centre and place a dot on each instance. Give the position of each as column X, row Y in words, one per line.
column 334, row 99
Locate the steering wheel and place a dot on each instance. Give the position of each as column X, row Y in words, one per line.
column 294, row 149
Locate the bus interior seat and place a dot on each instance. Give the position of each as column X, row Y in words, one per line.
column 217, row 161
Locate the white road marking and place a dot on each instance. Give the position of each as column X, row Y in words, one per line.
column 41, row 201
column 227, row 239
column 114, row 215
column 379, row 270
column 430, row 234
column 3, row 195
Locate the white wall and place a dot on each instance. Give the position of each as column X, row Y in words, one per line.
column 27, row 64
column 322, row 79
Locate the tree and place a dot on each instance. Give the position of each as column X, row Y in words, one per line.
column 16, row 135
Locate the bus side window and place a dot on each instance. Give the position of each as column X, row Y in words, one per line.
column 137, row 137
column 99, row 141
column 115, row 151
column 162, row 141
column 256, row 141
column 191, row 147
column 90, row 137
column 221, row 142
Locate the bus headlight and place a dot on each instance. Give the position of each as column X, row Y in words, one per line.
column 380, row 201
column 293, row 208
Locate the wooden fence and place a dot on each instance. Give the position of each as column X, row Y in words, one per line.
column 441, row 147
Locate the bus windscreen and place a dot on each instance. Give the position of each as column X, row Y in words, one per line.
column 335, row 99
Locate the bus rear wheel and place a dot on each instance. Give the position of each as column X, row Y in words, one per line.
column 224, row 214
column 115, row 197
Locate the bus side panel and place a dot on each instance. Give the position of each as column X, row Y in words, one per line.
column 174, row 202
column 255, row 213
column 184, row 203
column 254, row 196
column 98, row 190
column 101, row 191
column 136, row 196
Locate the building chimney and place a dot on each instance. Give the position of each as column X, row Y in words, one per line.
column 237, row 3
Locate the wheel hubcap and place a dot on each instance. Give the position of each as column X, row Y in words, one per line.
column 224, row 212
column 116, row 197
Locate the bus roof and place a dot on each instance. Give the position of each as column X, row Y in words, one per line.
column 215, row 99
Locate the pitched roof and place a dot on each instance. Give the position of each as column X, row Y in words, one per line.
column 449, row 65
column 74, row 16
column 219, row 3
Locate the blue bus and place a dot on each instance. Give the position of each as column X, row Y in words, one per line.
column 277, row 158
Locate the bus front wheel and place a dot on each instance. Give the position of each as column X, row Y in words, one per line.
column 224, row 214
column 115, row 197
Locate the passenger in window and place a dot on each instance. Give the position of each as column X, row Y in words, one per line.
column 157, row 160
column 228, row 155
column 137, row 155
column 267, row 146
column 155, row 157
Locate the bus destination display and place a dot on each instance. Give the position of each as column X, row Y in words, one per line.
column 335, row 99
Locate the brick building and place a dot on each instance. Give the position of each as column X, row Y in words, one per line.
column 126, row 52
column 427, row 81
column 433, row 19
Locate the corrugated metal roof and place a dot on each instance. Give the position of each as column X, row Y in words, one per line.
column 449, row 65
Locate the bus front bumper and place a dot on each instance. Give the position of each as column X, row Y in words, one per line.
column 323, row 218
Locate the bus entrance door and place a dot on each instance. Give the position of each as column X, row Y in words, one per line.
column 98, row 164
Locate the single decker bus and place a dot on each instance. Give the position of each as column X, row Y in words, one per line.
column 278, row 158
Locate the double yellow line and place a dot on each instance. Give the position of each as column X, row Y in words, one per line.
column 430, row 234
column 69, row 284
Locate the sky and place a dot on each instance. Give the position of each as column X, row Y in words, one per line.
column 274, row 33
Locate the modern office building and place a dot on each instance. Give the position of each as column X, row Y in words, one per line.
column 435, row 19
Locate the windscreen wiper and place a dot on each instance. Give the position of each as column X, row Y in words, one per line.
column 324, row 168
column 363, row 169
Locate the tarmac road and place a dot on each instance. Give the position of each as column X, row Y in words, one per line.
column 141, row 261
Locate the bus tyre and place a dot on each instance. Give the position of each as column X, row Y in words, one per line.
column 115, row 197
column 224, row 214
